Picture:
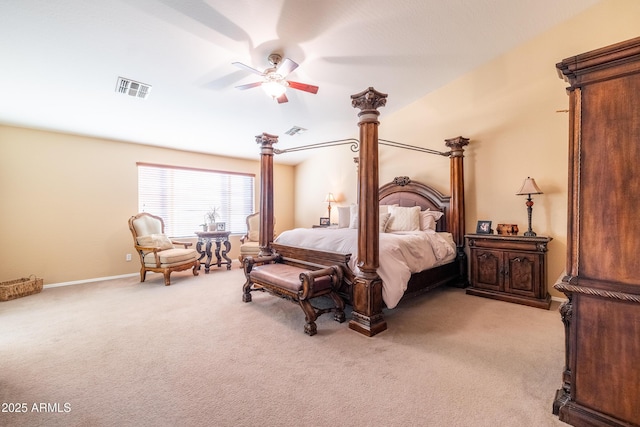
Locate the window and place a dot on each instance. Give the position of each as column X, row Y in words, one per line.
column 183, row 196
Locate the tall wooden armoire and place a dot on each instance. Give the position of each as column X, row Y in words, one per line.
column 601, row 380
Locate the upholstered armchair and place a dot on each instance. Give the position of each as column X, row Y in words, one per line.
column 157, row 252
column 250, row 242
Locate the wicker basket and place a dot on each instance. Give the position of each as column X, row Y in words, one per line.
column 13, row 289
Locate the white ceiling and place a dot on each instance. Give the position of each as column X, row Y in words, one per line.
column 60, row 60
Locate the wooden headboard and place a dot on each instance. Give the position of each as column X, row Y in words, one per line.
column 404, row 192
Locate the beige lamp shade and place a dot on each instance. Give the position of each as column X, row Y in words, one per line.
column 329, row 198
column 529, row 186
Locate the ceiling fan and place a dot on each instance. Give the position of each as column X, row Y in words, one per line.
column 273, row 79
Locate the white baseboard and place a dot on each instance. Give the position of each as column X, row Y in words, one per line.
column 97, row 279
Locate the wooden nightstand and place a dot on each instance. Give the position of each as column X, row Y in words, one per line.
column 509, row 268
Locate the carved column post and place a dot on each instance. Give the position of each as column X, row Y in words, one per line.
column 266, row 142
column 367, row 287
column 456, row 212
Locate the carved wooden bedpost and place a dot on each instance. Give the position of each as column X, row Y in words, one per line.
column 266, row 142
column 367, row 286
column 456, row 212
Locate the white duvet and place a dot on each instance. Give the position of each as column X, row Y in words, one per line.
column 401, row 253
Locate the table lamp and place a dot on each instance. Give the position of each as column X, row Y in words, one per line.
column 328, row 199
column 529, row 187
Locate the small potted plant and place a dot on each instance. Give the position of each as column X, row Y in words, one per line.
column 212, row 216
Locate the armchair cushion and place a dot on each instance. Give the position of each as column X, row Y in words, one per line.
column 170, row 257
column 250, row 249
column 157, row 240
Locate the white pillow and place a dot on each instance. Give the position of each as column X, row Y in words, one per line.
column 384, row 219
column 353, row 223
column 428, row 219
column 385, row 208
column 403, row 219
column 344, row 216
column 353, row 214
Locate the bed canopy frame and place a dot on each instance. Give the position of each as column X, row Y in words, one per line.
column 367, row 302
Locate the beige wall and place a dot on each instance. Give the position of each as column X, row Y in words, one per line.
column 66, row 200
column 508, row 108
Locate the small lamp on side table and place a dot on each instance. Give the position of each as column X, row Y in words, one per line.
column 328, row 199
column 529, row 187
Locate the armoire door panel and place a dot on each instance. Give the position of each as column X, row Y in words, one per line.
column 610, row 219
column 607, row 372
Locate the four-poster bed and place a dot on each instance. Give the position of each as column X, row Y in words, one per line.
column 363, row 286
column 410, row 261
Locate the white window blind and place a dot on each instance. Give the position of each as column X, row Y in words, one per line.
column 183, row 196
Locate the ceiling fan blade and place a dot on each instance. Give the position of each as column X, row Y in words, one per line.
column 249, row 85
column 282, row 98
column 247, row 68
column 286, row 67
column 303, row 86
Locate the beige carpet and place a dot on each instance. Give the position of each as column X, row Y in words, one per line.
column 122, row 353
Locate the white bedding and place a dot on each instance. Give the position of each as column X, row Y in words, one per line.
column 401, row 253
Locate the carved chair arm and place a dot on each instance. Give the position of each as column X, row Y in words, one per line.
column 185, row 244
column 143, row 250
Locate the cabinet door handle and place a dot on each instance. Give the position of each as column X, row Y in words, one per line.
column 504, row 270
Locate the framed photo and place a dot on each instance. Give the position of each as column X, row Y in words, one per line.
column 324, row 221
column 484, row 227
column 220, row 226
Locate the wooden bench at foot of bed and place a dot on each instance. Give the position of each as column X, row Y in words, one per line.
column 297, row 275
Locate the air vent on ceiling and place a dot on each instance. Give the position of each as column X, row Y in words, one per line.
column 132, row 88
column 295, row 130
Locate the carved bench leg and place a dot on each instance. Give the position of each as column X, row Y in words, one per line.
column 310, row 327
column 246, row 291
column 338, row 316
column 247, row 265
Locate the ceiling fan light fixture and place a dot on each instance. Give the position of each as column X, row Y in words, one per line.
column 274, row 80
column 274, row 88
